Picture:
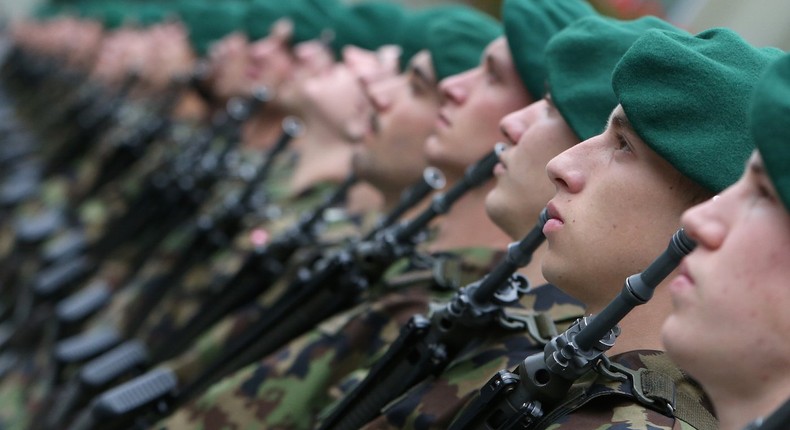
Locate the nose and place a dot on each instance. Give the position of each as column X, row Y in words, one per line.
column 513, row 126
column 566, row 170
column 454, row 89
column 260, row 50
column 314, row 56
column 380, row 94
column 705, row 222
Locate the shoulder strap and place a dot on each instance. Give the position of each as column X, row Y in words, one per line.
column 655, row 387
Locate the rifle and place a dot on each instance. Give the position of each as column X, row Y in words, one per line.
column 425, row 346
column 519, row 399
column 336, row 283
column 129, row 150
column 260, row 271
column 167, row 199
column 262, row 268
column 160, row 387
column 134, row 357
column 91, row 122
column 164, row 203
column 212, row 232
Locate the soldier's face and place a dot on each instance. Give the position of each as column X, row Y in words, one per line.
column 121, row 53
column 405, row 107
column 271, row 60
column 616, row 205
column 169, row 54
column 336, row 98
column 83, row 42
column 311, row 59
column 731, row 298
column 371, row 66
column 473, row 104
column 228, row 62
column 534, row 135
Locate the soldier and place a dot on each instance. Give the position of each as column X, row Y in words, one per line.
column 729, row 323
column 633, row 181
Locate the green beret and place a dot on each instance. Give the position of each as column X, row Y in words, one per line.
column 579, row 62
column 111, row 15
column 148, row 14
column 208, row 22
column 261, row 14
column 311, row 18
column 412, row 34
column 368, row 25
column 770, row 114
column 457, row 38
column 688, row 97
column 49, row 11
column 529, row 25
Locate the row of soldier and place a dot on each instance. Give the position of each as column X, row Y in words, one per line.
column 252, row 215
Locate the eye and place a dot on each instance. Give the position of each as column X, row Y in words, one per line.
column 415, row 87
column 491, row 76
column 765, row 192
column 622, row 143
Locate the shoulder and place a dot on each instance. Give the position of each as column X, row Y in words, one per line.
column 639, row 390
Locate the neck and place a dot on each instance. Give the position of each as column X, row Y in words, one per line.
column 467, row 225
column 391, row 198
column 363, row 198
column 261, row 131
column 738, row 406
column 323, row 157
column 190, row 107
column 533, row 271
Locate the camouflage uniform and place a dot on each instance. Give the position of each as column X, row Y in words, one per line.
column 200, row 284
column 597, row 401
column 120, row 311
column 290, row 387
column 211, row 343
column 433, row 403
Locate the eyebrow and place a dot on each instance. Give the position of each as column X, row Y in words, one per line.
column 620, row 122
column 492, row 63
column 756, row 166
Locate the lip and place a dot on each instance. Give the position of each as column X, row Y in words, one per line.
column 555, row 221
column 252, row 72
column 501, row 167
column 683, row 271
column 553, row 212
column 681, row 284
column 442, row 120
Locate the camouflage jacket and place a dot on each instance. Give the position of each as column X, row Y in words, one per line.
column 206, row 280
column 600, row 401
column 433, row 403
column 174, row 246
column 289, row 388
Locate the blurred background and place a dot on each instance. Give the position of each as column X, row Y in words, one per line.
column 762, row 22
